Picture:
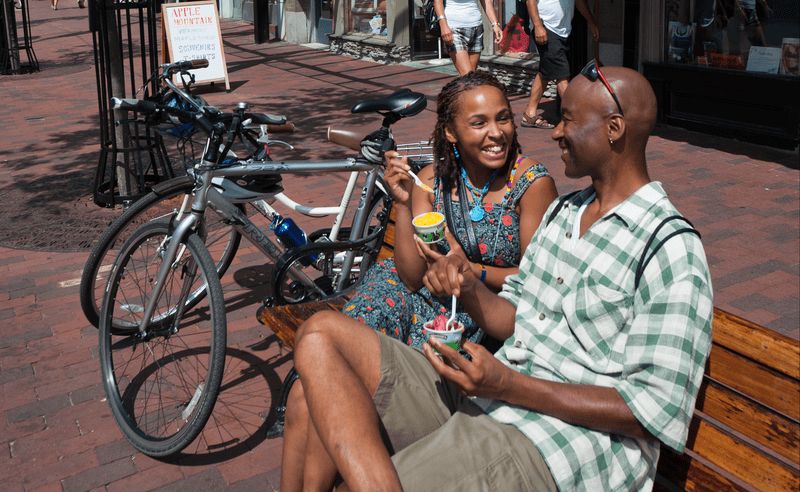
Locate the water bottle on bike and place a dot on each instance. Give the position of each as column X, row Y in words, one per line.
column 290, row 236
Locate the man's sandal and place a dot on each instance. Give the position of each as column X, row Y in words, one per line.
column 536, row 122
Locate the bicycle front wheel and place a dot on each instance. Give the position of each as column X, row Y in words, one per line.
column 162, row 384
column 165, row 201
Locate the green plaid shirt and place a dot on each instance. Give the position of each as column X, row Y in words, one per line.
column 579, row 320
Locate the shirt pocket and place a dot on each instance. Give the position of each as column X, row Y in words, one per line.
column 600, row 313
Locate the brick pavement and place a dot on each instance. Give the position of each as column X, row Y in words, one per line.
column 58, row 433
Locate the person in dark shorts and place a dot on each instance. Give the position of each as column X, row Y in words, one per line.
column 552, row 25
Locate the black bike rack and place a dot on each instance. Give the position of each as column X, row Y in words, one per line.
column 132, row 156
column 12, row 44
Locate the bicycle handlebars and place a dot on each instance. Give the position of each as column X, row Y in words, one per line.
column 186, row 65
column 400, row 104
column 204, row 118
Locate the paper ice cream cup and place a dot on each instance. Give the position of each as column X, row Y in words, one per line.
column 450, row 338
column 429, row 227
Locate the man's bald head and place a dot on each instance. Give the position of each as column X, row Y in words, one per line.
column 635, row 96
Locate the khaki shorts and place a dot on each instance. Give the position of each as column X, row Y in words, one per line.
column 442, row 441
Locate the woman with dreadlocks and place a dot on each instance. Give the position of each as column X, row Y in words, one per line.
column 491, row 188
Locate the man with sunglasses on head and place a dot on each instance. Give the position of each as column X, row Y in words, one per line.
column 552, row 26
column 603, row 356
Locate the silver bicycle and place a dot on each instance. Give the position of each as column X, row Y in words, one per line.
column 162, row 361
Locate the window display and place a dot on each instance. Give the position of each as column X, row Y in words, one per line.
column 753, row 35
column 368, row 17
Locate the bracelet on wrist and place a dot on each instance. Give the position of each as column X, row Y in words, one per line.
column 483, row 272
column 440, row 18
column 495, row 24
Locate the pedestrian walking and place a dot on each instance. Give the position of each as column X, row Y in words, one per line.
column 552, row 26
column 462, row 30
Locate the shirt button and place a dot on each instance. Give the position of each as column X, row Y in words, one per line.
column 518, row 344
column 514, row 363
column 569, row 235
column 541, row 316
column 560, row 280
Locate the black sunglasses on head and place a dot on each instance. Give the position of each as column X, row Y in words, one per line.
column 592, row 72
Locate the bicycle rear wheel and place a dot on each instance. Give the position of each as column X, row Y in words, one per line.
column 162, row 385
column 328, row 270
column 165, row 201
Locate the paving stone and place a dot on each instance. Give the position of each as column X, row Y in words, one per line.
column 38, row 408
column 206, row 481
column 114, row 451
column 99, row 476
column 15, row 373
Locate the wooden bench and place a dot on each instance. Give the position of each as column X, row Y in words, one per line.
column 745, row 433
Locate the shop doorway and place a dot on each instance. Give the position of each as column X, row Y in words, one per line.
column 630, row 36
column 423, row 46
column 324, row 10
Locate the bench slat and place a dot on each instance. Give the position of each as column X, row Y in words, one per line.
column 754, row 380
column 758, row 343
column 751, row 419
column 387, row 251
column 284, row 320
column 740, row 459
column 688, row 473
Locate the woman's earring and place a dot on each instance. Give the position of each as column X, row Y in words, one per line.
column 610, row 141
column 455, row 150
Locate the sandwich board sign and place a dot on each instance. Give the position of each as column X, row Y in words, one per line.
column 190, row 31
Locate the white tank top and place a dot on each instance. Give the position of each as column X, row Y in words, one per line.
column 462, row 13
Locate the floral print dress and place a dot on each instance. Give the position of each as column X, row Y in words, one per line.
column 384, row 303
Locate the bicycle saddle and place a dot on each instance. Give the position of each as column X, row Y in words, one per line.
column 267, row 119
column 402, row 103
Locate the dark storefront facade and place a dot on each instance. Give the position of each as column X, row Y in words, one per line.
column 726, row 67
column 730, row 67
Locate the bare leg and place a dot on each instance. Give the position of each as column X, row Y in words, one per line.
column 474, row 58
column 462, row 61
column 561, row 86
column 537, row 90
column 301, row 441
column 295, row 434
column 338, row 360
column 322, row 475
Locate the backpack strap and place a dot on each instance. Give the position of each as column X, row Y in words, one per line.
column 645, row 259
column 558, row 206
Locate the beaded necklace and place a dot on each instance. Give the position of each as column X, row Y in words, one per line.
column 477, row 213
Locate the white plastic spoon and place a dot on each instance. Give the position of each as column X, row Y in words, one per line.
column 419, row 182
column 451, row 323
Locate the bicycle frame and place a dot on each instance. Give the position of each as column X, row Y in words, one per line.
column 205, row 195
column 401, row 104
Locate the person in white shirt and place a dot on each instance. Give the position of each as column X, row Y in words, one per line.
column 552, row 25
column 462, row 30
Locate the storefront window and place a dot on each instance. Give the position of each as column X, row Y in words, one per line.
column 368, row 17
column 753, row 35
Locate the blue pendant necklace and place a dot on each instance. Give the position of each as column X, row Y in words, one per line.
column 477, row 213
